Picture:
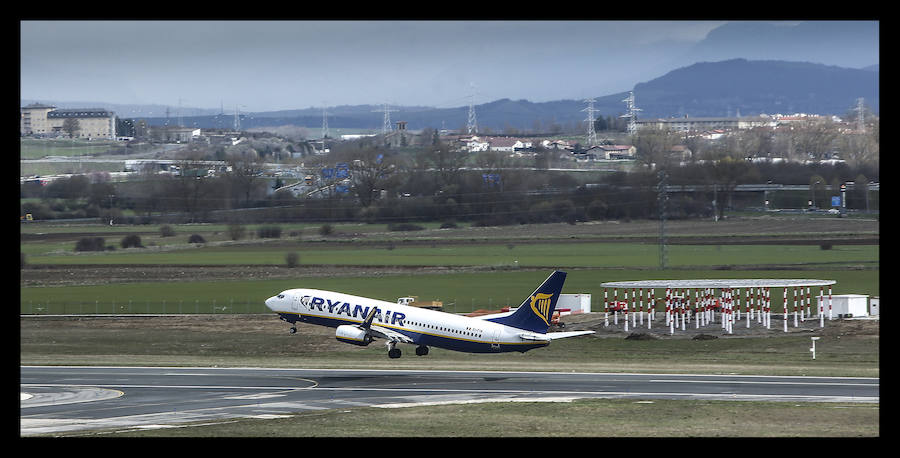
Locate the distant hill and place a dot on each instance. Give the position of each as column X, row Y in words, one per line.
column 753, row 87
column 724, row 88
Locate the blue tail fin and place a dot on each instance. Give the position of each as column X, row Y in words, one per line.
column 535, row 312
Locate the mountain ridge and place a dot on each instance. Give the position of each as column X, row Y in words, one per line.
column 703, row 89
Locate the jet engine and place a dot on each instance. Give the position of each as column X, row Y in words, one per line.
column 352, row 335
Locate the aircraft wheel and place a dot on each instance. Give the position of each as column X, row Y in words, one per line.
column 394, row 353
column 293, row 330
column 421, row 350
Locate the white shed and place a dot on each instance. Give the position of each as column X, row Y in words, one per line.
column 847, row 305
column 577, row 303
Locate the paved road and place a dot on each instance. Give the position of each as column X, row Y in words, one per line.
column 56, row 399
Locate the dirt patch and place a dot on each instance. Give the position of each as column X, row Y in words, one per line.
column 323, row 338
column 81, row 275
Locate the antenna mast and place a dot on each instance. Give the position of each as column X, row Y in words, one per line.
column 324, row 124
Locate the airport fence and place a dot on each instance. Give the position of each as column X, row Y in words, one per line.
column 62, row 307
column 215, row 306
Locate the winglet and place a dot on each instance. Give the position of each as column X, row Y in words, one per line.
column 367, row 323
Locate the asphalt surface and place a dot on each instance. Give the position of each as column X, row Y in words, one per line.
column 58, row 399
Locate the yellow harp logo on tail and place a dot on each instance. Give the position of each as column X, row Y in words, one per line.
column 540, row 304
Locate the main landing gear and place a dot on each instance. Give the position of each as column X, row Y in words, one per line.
column 293, row 330
column 393, row 351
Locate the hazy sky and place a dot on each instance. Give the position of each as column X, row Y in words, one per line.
column 272, row 65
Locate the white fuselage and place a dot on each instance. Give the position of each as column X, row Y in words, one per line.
column 424, row 327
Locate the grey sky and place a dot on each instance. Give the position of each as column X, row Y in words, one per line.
column 272, row 65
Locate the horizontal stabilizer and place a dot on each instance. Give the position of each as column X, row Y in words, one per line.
column 534, row 336
column 551, row 335
column 563, row 335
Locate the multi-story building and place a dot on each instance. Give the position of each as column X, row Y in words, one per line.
column 92, row 122
column 688, row 124
column 34, row 119
column 38, row 119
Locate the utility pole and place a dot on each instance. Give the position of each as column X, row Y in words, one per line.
column 662, row 199
column 860, row 115
column 471, row 123
column 180, row 119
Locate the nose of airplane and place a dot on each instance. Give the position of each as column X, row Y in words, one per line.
column 270, row 303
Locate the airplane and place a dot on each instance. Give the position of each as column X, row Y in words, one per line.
column 359, row 321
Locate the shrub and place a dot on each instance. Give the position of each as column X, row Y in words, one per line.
column 269, row 232
column 90, row 244
column 449, row 225
column 326, row 229
column 196, row 238
column 405, row 227
column 132, row 240
column 292, row 259
column 166, row 231
column 236, row 231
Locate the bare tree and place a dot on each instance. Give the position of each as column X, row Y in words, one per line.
column 653, row 145
column 725, row 174
column 189, row 189
column 447, row 162
column 245, row 175
column 813, row 139
column 71, row 126
column 370, row 172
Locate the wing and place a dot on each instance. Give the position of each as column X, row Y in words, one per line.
column 381, row 332
column 385, row 333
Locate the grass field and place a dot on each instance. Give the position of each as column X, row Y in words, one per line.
column 489, row 268
column 607, row 418
column 460, row 292
column 570, row 255
column 36, row 149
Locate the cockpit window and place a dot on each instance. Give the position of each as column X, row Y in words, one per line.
column 281, row 296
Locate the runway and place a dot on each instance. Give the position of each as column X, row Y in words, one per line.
column 58, row 399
